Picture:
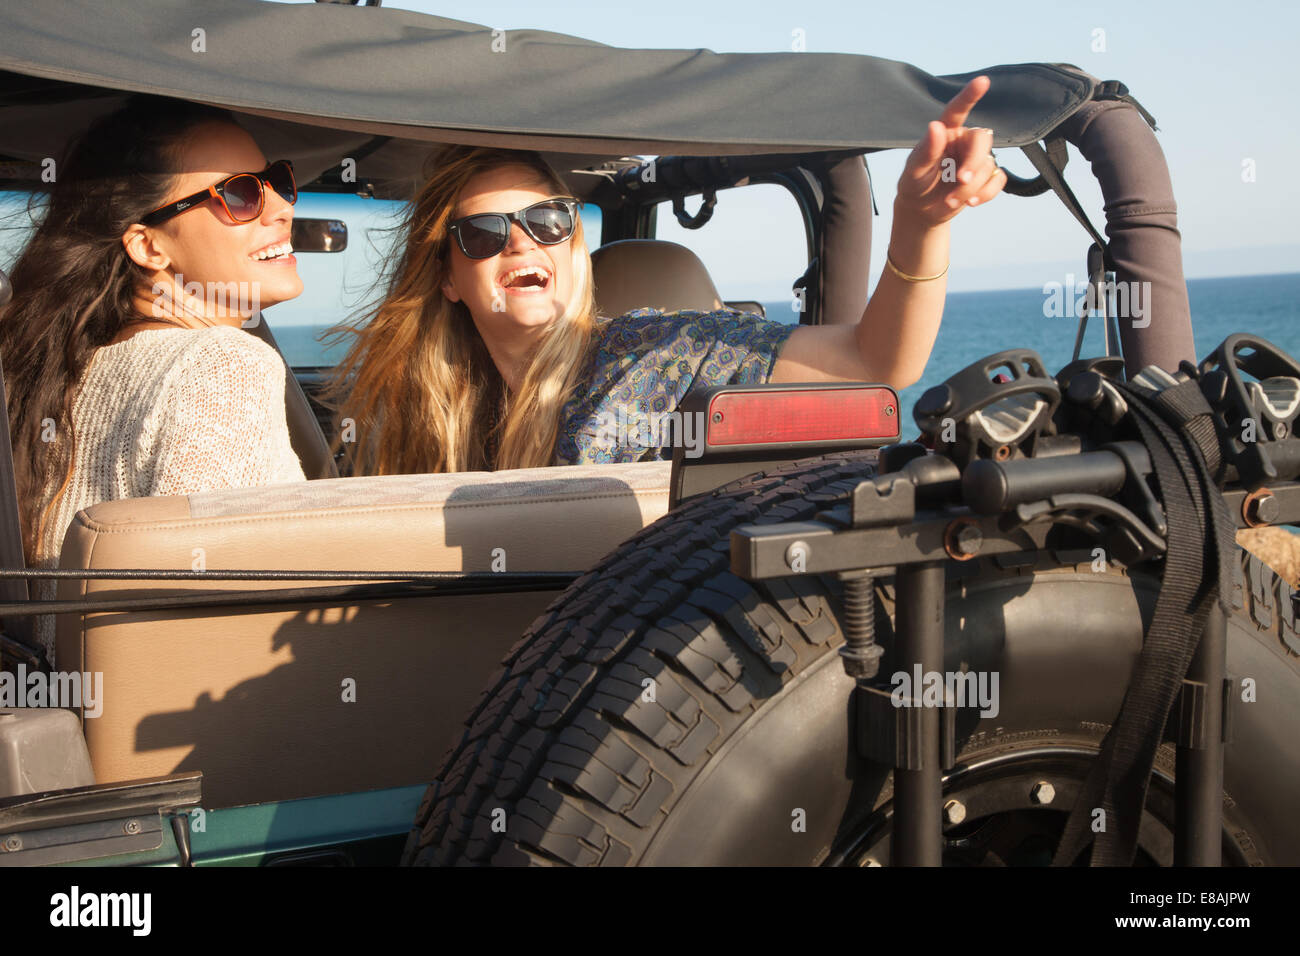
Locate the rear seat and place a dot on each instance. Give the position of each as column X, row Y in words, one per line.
column 256, row 699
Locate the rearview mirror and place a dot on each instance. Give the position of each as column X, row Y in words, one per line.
column 319, row 235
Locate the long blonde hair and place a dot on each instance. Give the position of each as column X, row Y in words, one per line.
column 418, row 383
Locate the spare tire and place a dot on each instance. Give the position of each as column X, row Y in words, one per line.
column 664, row 711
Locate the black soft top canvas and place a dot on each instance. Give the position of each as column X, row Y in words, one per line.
column 418, row 77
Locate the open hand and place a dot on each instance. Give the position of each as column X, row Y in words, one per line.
column 951, row 167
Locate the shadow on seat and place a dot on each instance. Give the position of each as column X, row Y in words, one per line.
column 276, row 702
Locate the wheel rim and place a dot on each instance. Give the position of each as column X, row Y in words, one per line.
column 1009, row 809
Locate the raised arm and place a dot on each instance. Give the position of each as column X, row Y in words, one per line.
column 950, row 168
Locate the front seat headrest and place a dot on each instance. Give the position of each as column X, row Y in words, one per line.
column 651, row 273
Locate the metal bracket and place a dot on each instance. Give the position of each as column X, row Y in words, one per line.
column 889, row 733
column 92, row 822
column 884, row 501
column 84, row 841
column 1186, row 726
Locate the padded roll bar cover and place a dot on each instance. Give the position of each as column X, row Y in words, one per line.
column 846, row 241
column 1141, row 226
column 6, row 290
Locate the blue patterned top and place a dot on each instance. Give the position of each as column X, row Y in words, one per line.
column 641, row 365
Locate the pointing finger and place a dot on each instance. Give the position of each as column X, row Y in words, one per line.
column 959, row 107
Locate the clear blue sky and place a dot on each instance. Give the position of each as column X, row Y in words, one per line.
column 1217, row 77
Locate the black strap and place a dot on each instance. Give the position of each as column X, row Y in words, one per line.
column 1050, row 163
column 1115, row 90
column 810, row 282
column 12, row 590
column 875, row 210
column 1185, row 404
column 1197, row 577
column 305, row 435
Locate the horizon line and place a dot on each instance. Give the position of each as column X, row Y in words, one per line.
column 1034, row 288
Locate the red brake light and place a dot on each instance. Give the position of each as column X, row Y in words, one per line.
column 794, row 415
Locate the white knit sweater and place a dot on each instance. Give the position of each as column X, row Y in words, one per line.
column 172, row 412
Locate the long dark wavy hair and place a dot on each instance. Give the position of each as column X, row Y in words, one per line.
column 73, row 283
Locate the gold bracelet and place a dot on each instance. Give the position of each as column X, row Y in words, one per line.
column 907, row 278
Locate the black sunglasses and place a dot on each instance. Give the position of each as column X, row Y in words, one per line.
column 483, row 235
column 240, row 195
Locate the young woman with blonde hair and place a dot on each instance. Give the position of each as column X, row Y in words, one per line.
column 486, row 352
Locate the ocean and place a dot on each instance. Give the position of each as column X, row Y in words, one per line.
column 976, row 324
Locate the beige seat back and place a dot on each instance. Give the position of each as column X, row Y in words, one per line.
column 651, row 274
column 278, row 701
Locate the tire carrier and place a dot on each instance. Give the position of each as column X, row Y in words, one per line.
column 1015, row 470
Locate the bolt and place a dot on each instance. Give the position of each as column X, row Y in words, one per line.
column 1280, row 430
column 862, row 664
column 131, row 827
column 717, row 417
column 889, row 411
column 954, row 811
column 13, row 844
column 860, row 653
column 968, row 539
column 962, row 539
column 1264, row 509
column 1043, row 793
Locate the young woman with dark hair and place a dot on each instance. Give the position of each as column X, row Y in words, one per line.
column 127, row 369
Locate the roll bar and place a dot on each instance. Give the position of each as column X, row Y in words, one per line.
column 1117, row 137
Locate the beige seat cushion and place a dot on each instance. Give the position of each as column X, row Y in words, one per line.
column 255, row 698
